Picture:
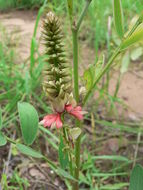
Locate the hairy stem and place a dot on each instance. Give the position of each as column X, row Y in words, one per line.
column 75, row 64
column 75, row 28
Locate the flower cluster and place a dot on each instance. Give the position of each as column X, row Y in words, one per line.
column 57, row 82
column 53, row 120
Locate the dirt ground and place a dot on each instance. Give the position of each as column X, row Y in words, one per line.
column 21, row 23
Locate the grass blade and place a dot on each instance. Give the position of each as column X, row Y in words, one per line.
column 118, row 17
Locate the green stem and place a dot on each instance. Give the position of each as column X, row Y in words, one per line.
column 75, row 65
column 10, row 140
column 70, row 9
column 83, row 14
column 75, row 28
column 77, row 157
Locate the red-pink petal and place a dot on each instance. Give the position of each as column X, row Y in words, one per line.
column 77, row 114
column 76, row 111
column 49, row 119
column 68, row 108
column 59, row 123
column 78, row 108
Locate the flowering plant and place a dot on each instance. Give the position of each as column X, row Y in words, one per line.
column 65, row 100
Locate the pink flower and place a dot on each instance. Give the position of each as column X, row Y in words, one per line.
column 75, row 111
column 52, row 120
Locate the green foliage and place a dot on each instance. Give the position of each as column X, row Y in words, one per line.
column 125, row 62
column 29, row 122
column 0, row 118
column 89, row 76
column 18, row 182
column 136, row 180
column 136, row 53
column 118, row 18
column 75, row 133
column 20, row 4
column 63, row 154
column 28, row 151
column 3, row 140
column 137, row 36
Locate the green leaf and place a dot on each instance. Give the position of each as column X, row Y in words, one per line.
column 63, row 155
column 29, row 122
column 92, row 73
column 117, row 186
column 0, row 119
column 75, row 132
column 3, row 140
column 65, row 174
column 136, row 180
column 136, row 53
column 125, row 63
column 118, row 17
column 28, row 151
column 89, row 76
column 134, row 38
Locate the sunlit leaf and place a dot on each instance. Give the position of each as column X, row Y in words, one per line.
column 136, row 53
column 92, row 73
column 28, row 151
column 89, row 76
column 29, row 122
column 3, row 140
column 134, row 38
column 75, row 132
column 136, row 180
column 125, row 62
column 118, row 17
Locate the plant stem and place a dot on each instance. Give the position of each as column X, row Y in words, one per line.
column 83, row 14
column 75, row 64
column 75, row 29
column 77, row 158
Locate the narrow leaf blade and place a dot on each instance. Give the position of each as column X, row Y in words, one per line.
column 63, row 155
column 65, row 174
column 28, row 151
column 134, row 38
column 0, row 119
column 118, row 17
column 29, row 122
